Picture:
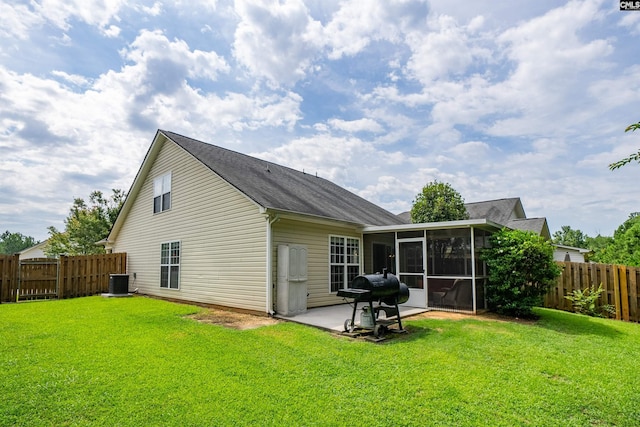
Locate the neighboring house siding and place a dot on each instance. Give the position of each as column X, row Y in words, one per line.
column 563, row 254
column 36, row 251
column 222, row 236
column 316, row 238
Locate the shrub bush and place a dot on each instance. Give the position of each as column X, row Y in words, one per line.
column 521, row 270
column 588, row 302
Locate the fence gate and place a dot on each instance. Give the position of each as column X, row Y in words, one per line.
column 66, row 277
column 38, row 279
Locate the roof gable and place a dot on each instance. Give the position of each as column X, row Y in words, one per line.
column 537, row 225
column 277, row 187
column 500, row 210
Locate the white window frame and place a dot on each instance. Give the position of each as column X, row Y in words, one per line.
column 171, row 262
column 348, row 258
column 162, row 193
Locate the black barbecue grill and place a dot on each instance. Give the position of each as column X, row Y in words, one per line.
column 387, row 291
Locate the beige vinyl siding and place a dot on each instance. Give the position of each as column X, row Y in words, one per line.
column 222, row 236
column 316, row 238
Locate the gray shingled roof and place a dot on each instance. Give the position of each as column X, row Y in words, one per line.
column 273, row 186
column 405, row 217
column 537, row 225
column 499, row 211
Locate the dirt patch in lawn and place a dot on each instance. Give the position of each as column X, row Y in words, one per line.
column 447, row 315
column 233, row 319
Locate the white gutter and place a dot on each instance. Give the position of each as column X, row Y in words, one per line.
column 465, row 223
column 269, row 278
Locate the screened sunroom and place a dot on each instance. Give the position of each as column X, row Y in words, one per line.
column 439, row 262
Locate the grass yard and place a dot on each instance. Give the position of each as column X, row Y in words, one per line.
column 139, row 361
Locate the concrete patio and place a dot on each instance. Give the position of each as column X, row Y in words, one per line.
column 332, row 318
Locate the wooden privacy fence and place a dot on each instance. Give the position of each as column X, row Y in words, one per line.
column 66, row 277
column 620, row 284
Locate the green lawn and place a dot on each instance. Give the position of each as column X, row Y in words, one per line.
column 139, row 361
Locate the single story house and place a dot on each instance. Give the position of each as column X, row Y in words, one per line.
column 35, row 251
column 569, row 253
column 206, row 224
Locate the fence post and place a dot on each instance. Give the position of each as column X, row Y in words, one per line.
column 624, row 294
column 616, row 292
column 633, row 294
column 62, row 267
column 3, row 262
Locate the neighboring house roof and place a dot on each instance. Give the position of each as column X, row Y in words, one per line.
column 510, row 213
column 500, row 210
column 573, row 249
column 569, row 253
column 537, row 225
column 35, row 251
column 507, row 212
column 405, row 217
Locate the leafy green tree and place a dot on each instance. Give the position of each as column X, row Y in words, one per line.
column 570, row 237
column 438, row 201
column 85, row 225
column 598, row 246
column 632, row 157
column 624, row 248
column 11, row 243
column 521, row 271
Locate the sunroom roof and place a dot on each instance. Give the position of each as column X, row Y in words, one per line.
column 482, row 223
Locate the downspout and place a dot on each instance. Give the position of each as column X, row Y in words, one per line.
column 269, row 281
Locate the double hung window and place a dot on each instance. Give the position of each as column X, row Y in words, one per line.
column 170, row 265
column 344, row 254
column 162, row 193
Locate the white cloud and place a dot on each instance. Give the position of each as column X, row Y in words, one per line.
column 354, row 126
column 112, row 31
column 74, row 79
column 526, row 99
column 473, row 151
column 151, row 46
column 358, row 159
column 17, row 19
column 632, row 22
column 154, row 10
column 548, row 55
column 98, row 13
column 444, row 51
column 275, row 41
column 59, row 145
column 358, row 24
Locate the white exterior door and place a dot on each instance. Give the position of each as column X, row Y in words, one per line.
column 411, row 269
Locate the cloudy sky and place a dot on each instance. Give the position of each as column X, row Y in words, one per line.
column 524, row 99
